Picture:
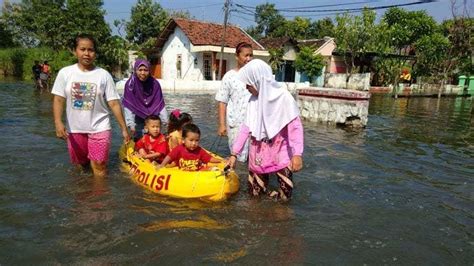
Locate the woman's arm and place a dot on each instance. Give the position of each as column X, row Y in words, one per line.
column 215, row 160
column 164, row 115
column 116, row 108
column 58, row 109
column 129, row 118
column 222, row 110
column 239, row 144
column 241, row 139
column 165, row 161
column 296, row 142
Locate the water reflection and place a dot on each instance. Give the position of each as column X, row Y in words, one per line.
column 398, row 192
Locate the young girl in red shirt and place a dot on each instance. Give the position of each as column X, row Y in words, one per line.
column 153, row 145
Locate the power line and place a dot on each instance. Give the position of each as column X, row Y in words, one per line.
column 342, row 9
column 191, row 7
column 176, row 8
column 329, row 5
column 243, row 12
column 360, row 8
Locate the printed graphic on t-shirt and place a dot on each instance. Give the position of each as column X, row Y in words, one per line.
column 83, row 95
column 189, row 165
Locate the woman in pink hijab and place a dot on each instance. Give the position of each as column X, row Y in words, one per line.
column 275, row 130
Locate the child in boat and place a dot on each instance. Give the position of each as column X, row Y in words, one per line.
column 153, row 144
column 189, row 156
column 176, row 122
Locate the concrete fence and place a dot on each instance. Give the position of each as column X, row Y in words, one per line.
column 359, row 82
column 334, row 106
column 426, row 89
column 204, row 86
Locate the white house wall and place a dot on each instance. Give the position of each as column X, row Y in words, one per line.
column 290, row 53
column 178, row 43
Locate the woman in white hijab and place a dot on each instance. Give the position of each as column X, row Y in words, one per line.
column 275, row 130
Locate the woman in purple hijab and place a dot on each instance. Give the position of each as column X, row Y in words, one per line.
column 142, row 97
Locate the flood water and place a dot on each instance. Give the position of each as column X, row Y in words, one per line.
column 399, row 192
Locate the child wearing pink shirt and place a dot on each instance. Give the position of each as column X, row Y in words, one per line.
column 275, row 130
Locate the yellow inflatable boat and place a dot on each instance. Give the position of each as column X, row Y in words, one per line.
column 213, row 185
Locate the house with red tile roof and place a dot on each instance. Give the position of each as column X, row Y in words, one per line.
column 190, row 50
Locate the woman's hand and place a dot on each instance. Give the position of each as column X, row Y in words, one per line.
column 125, row 135
column 296, row 163
column 252, row 89
column 222, row 130
column 61, row 131
column 231, row 161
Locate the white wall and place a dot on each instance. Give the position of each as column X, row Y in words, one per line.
column 178, row 43
column 132, row 57
column 289, row 52
column 203, row 86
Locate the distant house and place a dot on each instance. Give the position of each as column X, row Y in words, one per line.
column 190, row 50
column 287, row 72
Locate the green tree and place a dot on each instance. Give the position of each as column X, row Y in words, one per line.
column 147, row 21
column 354, row 38
column 321, row 28
column 459, row 32
column 432, row 51
column 55, row 23
column 254, row 32
column 6, row 36
column 114, row 55
column 298, row 28
column 268, row 20
column 384, row 65
column 87, row 16
column 406, row 28
column 276, row 58
column 309, row 63
column 180, row 14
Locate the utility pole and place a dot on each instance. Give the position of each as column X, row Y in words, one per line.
column 226, row 16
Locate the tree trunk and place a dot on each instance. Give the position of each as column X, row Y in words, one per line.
column 120, row 68
column 440, row 90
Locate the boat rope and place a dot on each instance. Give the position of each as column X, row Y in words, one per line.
column 224, row 179
column 195, row 181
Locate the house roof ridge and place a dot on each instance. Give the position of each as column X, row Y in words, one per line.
column 206, row 22
column 251, row 38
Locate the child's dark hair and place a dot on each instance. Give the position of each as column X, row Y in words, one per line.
column 177, row 120
column 241, row 45
column 84, row 36
column 152, row 117
column 190, row 128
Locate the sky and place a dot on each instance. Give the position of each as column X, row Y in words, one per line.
column 212, row 10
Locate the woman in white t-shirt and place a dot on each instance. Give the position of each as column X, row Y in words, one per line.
column 88, row 93
column 233, row 98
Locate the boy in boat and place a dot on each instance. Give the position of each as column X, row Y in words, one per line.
column 189, row 156
column 153, row 145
